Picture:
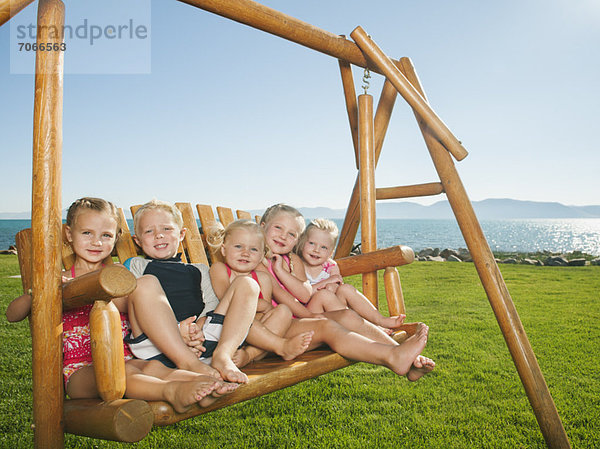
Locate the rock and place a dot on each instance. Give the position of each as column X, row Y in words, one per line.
column 436, row 252
column 435, row 259
column 510, row 260
column 539, row 263
column 426, row 252
column 596, row 261
column 556, row 261
column 453, row 258
column 9, row 251
column 529, row 262
column 447, row 253
column 578, row 262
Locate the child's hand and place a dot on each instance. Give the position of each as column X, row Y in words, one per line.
column 277, row 262
column 192, row 334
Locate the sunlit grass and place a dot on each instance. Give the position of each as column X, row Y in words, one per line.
column 473, row 399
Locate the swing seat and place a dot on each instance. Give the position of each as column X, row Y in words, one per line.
column 130, row 420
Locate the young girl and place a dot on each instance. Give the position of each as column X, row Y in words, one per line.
column 92, row 230
column 236, row 251
column 343, row 330
column 315, row 247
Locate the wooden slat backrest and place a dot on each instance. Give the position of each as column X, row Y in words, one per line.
column 181, row 248
column 193, row 240
column 225, row 215
column 24, row 250
column 207, row 221
column 242, row 214
column 125, row 247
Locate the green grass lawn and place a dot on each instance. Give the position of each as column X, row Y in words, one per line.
column 473, row 399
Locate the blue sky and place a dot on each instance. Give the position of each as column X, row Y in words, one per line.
column 230, row 115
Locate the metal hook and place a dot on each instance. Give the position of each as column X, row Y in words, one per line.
column 365, row 80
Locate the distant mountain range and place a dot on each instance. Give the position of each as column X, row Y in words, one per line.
column 491, row 209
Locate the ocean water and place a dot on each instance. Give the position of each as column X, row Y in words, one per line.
column 524, row 235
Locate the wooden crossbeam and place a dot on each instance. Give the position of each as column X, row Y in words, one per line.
column 392, row 193
column 10, row 8
column 272, row 21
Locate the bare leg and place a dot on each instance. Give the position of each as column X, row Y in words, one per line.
column 239, row 307
column 358, row 302
column 150, row 313
column 398, row 358
column 266, row 335
column 82, row 384
column 324, row 301
column 352, row 321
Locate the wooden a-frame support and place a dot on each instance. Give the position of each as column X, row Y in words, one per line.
column 400, row 77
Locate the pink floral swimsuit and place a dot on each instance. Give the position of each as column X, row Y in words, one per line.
column 77, row 349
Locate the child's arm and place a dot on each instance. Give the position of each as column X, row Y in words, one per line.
column 334, row 279
column 19, row 308
column 219, row 279
column 294, row 281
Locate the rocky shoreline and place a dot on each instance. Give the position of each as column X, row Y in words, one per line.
column 543, row 258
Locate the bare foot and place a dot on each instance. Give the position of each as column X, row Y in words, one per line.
column 222, row 389
column 392, row 322
column 229, row 372
column 203, row 368
column 181, row 395
column 241, row 357
column 296, row 345
column 404, row 355
column 421, row 366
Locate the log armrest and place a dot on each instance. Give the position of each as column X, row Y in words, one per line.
column 394, row 256
column 112, row 281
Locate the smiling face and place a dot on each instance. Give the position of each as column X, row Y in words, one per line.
column 92, row 235
column 159, row 235
column 318, row 247
column 243, row 250
column 282, row 232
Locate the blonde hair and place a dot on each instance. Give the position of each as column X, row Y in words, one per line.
column 322, row 224
column 217, row 235
column 95, row 204
column 155, row 204
column 276, row 209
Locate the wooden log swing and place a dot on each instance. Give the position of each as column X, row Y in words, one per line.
column 40, row 248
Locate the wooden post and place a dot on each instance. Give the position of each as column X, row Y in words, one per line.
column 10, row 8
column 351, row 106
column 494, row 285
column 368, row 225
column 409, row 93
column 107, row 350
column 352, row 218
column 393, row 291
column 283, row 25
column 46, row 224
